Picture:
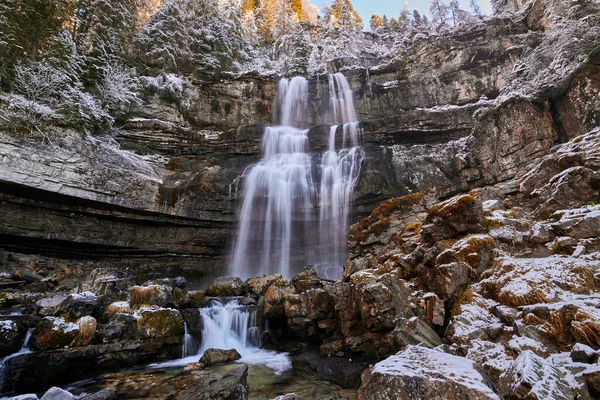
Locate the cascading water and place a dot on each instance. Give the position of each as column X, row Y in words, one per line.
column 277, row 204
column 23, row 350
column 286, row 220
column 229, row 325
column 188, row 347
column 340, row 171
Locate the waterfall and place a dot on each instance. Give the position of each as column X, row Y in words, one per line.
column 286, row 220
column 340, row 171
column 230, row 325
column 278, row 191
column 187, row 346
column 23, row 350
column 226, row 324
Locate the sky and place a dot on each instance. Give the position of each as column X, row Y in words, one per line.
column 392, row 8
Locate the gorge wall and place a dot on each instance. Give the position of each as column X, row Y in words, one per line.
column 453, row 112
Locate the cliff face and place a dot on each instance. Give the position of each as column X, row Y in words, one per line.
column 444, row 115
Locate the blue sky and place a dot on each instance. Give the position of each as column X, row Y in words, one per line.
column 392, row 8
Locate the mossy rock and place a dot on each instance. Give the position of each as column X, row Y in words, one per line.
column 160, row 322
column 54, row 333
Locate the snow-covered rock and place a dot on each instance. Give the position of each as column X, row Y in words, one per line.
column 422, row 373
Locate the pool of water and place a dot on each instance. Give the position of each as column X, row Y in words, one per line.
column 152, row 382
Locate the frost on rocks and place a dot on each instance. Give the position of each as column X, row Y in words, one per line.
column 422, row 373
column 474, row 321
column 519, row 281
column 533, row 377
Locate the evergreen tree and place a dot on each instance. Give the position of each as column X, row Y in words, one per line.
column 439, row 12
column 376, row 22
column 417, row 20
column 193, row 35
column 300, row 51
column 475, row 9
column 25, row 27
column 351, row 18
column 102, row 30
column 457, row 14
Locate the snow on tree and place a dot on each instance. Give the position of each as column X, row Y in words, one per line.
column 102, row 30
column 25, row 27
column 193, row 36
column 117, row 87
column 475, row 8
column 457, row 14
column 376, row 22
column 439, row 12
column 345, row 15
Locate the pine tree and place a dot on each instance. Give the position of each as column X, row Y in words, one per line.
column 193, row 35
column 417, row 20
column 475, row 7
column 103, row 30
column 299, row 53
column 352, row 19
column 25, row 27
column 376, row 22
column 457, row 14
column 439, row 12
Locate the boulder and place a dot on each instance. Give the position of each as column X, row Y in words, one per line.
column 226, row 287
column 29, row 396
column 228, row 383
column 180, row 282
column 120, row 327
column 338, row 370
column 532, row 377
column 117, row 307
column 108, row 282
column 573, row 187
column 47, row 305
column 55, row 393
column 320, row 304
column 153, row 295
column 584, row 354
column 12, row 335
column 159, row 322
column 194, row 321
column 449, row 280
column 414, row 331
column 258, row 286
column 448, row 219
column 307, row 279
column 492, row 357
column 219, row 356
column 295, row 305
column 197, row 298
column 592, row 379
column 383, row 301
column 77, row 305
column 577, row 223
column 274, row 303
column 422, row 373
column 54, row 333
